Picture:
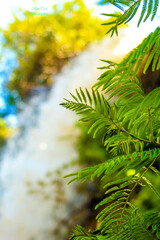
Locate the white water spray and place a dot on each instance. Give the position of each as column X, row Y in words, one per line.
column 45, row 148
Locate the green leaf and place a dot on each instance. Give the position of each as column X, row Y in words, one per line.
column 152, row 187
column 144, row 154
column 134, row 155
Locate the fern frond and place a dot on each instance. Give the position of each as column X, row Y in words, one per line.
column 151, row 186
column 133, row 161
column 80, row 233
column 95, row 108
column 149, row 8
column 131, row 126
column 121, row 144
column 122, row 79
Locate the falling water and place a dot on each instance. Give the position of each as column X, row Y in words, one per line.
column 29, row 209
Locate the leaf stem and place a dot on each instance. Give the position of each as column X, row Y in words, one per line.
column 140, row 139
column 138, row 182
column 150, row 121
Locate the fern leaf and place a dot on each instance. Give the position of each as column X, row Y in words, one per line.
column 149, row 7
column 152, row 187
column 143, row 12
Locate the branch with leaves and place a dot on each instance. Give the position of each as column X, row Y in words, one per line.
column 131, row 128
column 149, row 9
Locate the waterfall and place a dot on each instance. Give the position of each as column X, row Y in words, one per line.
column 29, row 174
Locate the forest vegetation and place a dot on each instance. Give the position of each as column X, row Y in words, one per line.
column 129, row 129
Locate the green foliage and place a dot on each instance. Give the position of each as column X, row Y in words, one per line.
column 149, row 9
column 5, row 132
column 131, row 126
column 44, row 43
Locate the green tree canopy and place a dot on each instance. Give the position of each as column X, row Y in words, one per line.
column 43, row 43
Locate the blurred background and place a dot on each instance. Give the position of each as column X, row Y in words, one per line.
column 47, row 50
